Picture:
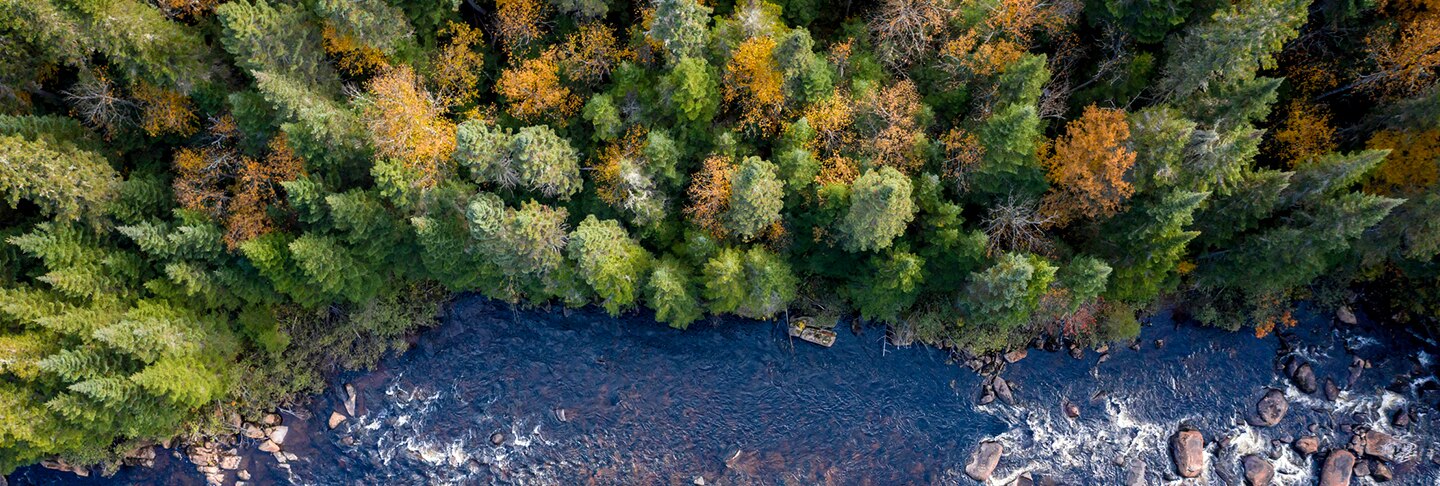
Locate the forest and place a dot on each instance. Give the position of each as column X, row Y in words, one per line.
column 210, row 205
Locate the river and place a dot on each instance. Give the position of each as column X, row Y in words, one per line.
column 579, row 397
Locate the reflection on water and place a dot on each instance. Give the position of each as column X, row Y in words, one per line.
column 582, row 398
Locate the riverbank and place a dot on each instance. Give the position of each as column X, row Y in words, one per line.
column 579, row 396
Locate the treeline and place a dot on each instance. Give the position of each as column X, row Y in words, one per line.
column 211, row 203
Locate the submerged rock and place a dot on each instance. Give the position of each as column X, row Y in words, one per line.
column 1339, row 465
column 1382, row 472
column 497, row 438
column 1071, row 409
column 1272, row 407
column 1135, row 473
column 1332, row 392
column 350, row 399
column 1187, row 449
column 1258, row 471
column 982, row 463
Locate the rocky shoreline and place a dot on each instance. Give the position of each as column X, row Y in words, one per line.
column 1368, row 452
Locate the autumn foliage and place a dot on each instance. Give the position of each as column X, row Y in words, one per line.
column 710, row 195
column 407, row 123
column 534, row 91
column 1088, row 166
column 753, row 82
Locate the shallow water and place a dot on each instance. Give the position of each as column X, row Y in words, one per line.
column 583, row 398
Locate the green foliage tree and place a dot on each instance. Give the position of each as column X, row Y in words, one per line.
column 670, row 292
column 880, row 209
column 609, row 261
column 681, row 28
column 756, row 197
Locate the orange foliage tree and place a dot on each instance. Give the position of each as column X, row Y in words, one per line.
column 352, row 57
column 710, row 195
column 890, row 126
column 164, row 111
column 1407, row 56
column 407, row 123
column 1088, row 167
column 754, row 82
column 534, row 91
column 1413, row 164
column 238, row 191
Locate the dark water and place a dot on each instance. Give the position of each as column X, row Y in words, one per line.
column 738, row 402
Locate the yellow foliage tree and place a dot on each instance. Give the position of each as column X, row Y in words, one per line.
column 352, row 57
column 518, row 23
column 592, row 52
column 832, row 119
column 1304, row 134
column 407, row 123
column 1412, row 166
column 456, row 66
column 753, row 82
column 1088, row 167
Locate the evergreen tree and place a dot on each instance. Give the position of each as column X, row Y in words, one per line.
column 756, row 197
column 880, row 209
column 607, row 259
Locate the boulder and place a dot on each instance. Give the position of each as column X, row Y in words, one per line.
column 1025, row 479
column 230, row 463
column 1016, row 355
column 277, row 435
column 335, row 419
column 1332, row 392
column 244, row 475
column 252, row 431
column 270, row 420
column 1306, row 445
column 269, row 446
column 987, row 395
column 1402, row 418
column 1258, row 471
column 1002, row 391
column 1187, row 449
column 983, row 461
column 1071, row 409
column 497, row 438
column 141, row 456
column 1345, row 315
column 1304, row 378
column 349, row 399
column 1339, row 465
column 1362, row 468
column 1382, row 472
column 1381, row 445
column 1272, row 407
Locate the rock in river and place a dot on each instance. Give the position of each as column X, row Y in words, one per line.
column 1380, row 445
column 335, row 419
column 983, row 462
column 1337, row 469
column 1307, row 445
column 1272, row 407
column 1258, row 471
column 1304, row 378
column 1187, row 449
column 1002, row 391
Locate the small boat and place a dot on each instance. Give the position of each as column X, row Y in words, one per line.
column 804, row 328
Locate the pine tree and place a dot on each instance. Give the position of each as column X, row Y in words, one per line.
column 670, row 292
